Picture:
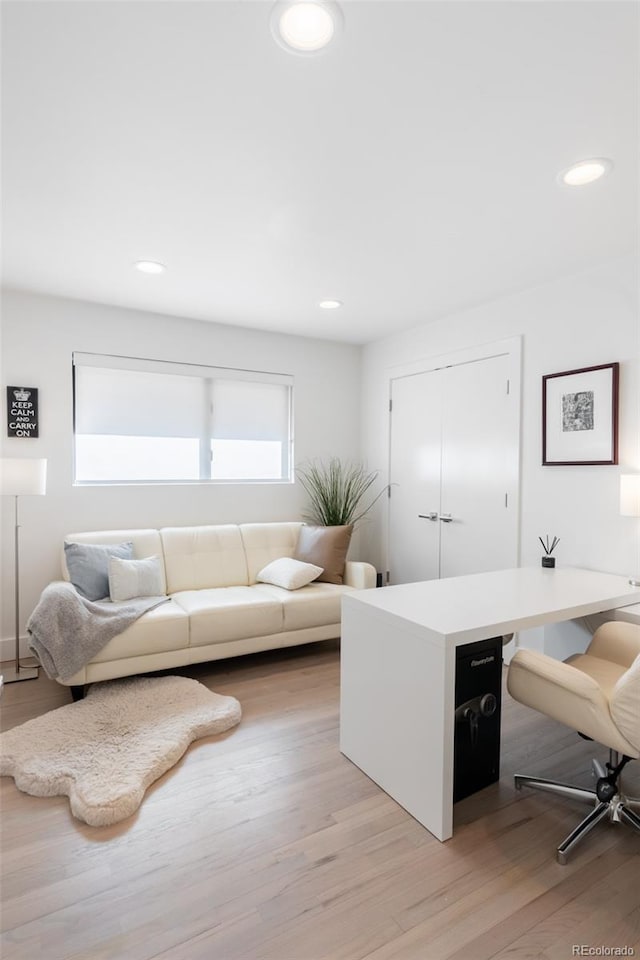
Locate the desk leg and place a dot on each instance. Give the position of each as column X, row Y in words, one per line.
column 397, row 713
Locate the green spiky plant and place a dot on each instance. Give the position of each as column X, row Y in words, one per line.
column 336, row 490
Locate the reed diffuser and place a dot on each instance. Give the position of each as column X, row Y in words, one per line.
column 549, row 547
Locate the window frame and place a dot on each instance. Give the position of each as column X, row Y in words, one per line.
column 205, row 372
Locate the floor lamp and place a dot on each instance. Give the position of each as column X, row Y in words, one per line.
column 630, row 504
column 19, row 478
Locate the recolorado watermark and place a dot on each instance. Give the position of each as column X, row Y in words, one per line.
column 584, row 950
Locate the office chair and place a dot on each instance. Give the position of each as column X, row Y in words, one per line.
column 597, row 693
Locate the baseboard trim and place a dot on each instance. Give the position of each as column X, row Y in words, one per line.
column 8, row 648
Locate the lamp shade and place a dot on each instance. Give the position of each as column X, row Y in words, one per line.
column 21, row 476
column 630, row 494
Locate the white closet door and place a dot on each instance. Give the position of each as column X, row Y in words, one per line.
column 478, row 454
column 415, row 454
column 453, row 454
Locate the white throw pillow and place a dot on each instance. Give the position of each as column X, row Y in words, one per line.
column 135, row 578
column 289, row 573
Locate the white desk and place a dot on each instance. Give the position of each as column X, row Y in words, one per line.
column 398, row 667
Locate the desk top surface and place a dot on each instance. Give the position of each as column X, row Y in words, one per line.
column 481, row 605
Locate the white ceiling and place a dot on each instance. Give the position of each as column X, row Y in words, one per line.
column 409, row 170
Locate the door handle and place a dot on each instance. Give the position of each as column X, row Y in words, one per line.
column 446, row 518
column 428, row 516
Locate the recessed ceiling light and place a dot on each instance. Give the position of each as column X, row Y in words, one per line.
column 586, row 171
column 305, row 26
column 150, row 266
column 330, row 304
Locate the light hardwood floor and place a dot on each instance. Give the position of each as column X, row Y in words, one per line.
column 267, row 844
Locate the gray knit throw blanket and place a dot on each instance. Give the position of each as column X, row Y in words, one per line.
column 66, row 631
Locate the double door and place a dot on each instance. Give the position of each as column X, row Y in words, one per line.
column 453, row 472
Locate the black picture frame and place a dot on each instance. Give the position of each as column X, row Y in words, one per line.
column 22, row 412
column 580, row 416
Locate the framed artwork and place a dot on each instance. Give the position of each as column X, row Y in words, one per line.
column 580, row 416
column 22, row 412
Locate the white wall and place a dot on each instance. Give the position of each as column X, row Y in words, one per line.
column 38, row 336
column 586, row 319
column 580, row 321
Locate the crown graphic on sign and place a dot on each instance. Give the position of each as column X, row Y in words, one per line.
column 22, row 394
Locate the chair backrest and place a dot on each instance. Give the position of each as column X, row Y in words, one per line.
column 625, row 704
column 617, row 641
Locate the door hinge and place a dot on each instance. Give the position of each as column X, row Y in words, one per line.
column 506, row 499
column 387, row 577
column 389, row 491
column 508, row 386
column 390, row 404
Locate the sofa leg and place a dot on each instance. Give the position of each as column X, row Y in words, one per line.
column 77, row 692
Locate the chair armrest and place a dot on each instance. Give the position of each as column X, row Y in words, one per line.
column 360, row 575
column 563, row 692
column 530, row 664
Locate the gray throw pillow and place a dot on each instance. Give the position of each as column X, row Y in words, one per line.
column 88, row 566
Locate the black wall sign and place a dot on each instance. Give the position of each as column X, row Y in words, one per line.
column 22, row 412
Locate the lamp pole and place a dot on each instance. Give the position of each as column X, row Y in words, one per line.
column 18, row 671
column 19, row 477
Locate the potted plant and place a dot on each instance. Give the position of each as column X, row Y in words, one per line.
column 336, row 490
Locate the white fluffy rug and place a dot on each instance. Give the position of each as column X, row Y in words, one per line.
column 104, row 751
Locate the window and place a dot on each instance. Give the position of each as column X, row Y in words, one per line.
column 144, row 421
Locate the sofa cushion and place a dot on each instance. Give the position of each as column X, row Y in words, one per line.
column 198, row 558
column 229, row 613
column 314, row 606
column 264, row 542
column 164, row 628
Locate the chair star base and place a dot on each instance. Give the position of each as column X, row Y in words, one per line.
column 617, row 806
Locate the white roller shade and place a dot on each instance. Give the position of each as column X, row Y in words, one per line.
column 138, row 404
column 243, row 410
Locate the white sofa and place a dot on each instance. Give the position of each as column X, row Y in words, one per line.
column 216, row 608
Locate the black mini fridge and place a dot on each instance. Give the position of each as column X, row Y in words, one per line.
column 478, row 700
